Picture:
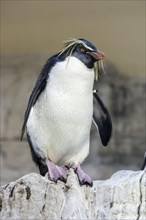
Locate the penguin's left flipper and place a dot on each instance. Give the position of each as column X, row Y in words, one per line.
column 144, row 162
column 102, row 119
column 38, row 89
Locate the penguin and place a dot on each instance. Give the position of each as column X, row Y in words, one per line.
column 61, row 109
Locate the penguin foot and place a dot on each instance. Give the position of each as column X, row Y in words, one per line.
column 55, row 172
column 84, row 179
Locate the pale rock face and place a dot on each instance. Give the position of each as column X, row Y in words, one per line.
column 122, row 197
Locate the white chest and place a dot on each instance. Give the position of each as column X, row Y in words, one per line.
column 61, row 119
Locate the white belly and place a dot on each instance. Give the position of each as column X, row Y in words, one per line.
column 59, row 123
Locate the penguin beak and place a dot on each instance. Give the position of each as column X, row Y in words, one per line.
column 98, row 55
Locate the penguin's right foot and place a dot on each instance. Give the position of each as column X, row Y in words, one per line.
column 84, row 179
column 55, row 172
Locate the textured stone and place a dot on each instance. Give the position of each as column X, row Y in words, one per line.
column 122, row 197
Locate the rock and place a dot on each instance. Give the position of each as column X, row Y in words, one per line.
column 35, row 197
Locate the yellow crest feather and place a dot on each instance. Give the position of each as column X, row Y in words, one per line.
column 73, row 42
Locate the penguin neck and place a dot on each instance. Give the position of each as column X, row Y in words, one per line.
column 72, row 74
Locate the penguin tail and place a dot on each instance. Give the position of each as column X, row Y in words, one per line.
column 37, row 159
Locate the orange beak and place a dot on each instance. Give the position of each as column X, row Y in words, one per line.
column 98, row 55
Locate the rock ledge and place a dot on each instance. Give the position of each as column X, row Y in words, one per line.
column 35, row 197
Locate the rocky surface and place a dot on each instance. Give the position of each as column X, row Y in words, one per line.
column 124, row 97
column 122, row 197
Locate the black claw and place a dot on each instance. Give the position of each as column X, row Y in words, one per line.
column 61, row 178
column 91, row 184
column 84, row 182
column 55, row 181
column 52, row 179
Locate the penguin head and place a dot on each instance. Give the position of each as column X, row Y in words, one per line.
column 82, row 50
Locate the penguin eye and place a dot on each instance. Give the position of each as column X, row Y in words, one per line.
column 82, row 49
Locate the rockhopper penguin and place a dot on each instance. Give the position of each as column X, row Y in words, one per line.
column 61, row 109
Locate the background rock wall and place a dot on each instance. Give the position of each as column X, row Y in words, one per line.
column 124, row 97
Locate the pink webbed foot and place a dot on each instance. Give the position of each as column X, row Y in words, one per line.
column 56, row 172
column 84, row 179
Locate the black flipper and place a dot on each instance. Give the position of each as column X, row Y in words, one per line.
column 39, row 87
column 144, row 162
column 102, row 119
